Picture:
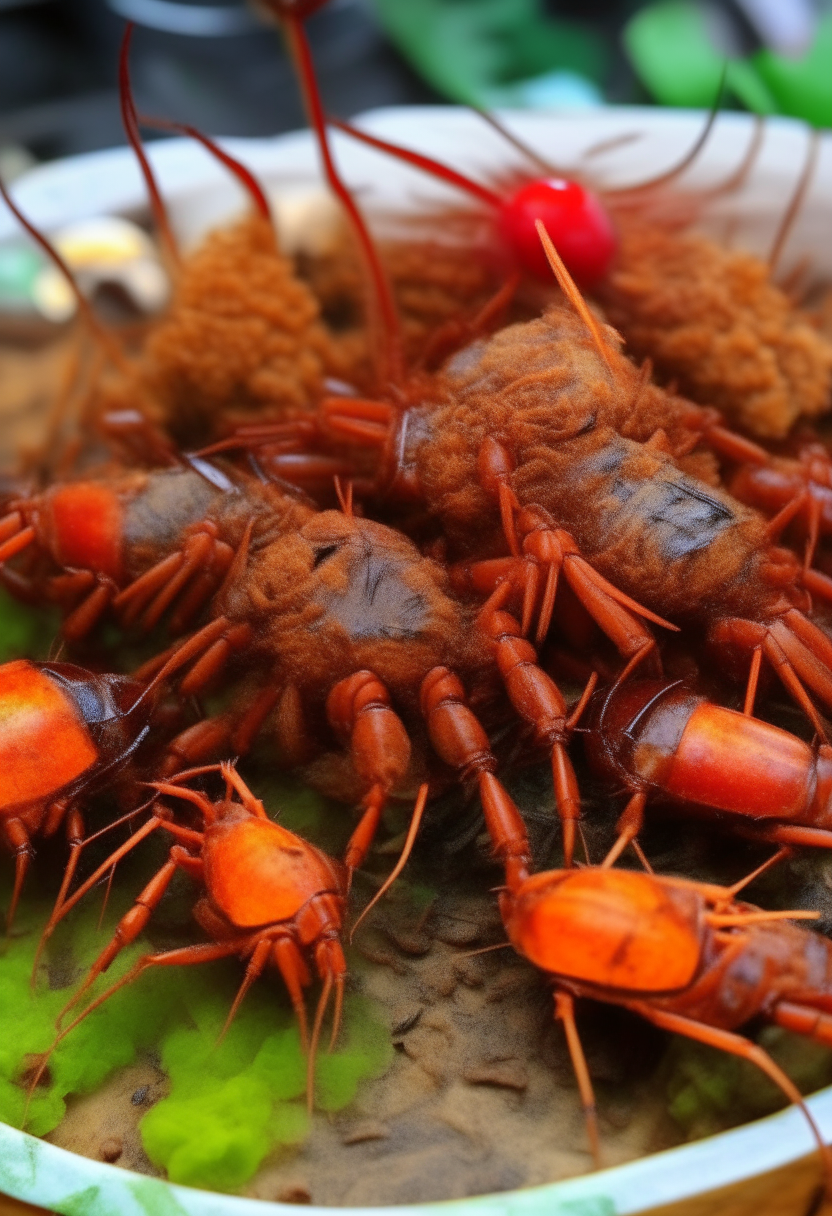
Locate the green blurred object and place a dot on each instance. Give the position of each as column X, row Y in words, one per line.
column 669, row 48
column 709, row 1091
column 230, row 1102
column 802, row 87
column 19, row 267
column 671, row 52
column 233, row 1101
column 485, row 52
column 25, row 630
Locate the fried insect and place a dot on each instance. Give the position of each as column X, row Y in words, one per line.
column 665, row 742
column 271, row 898
column 63, row 731
column 136, row 541
column 548, row 435
column 685, row 955
column 338, row 621
column 545, row 434
column 369, row 669
column 711, row 320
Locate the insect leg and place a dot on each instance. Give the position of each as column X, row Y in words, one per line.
column 736, row 1045
column 461, row 741
column 60, row 911
column 13, row 536
column 565, row 1013
column 358, row 418
column 330, row 961
column 16, row 837
column 538, row 699
column 787, row 834
column 256, row 964
column 360, row 713
column 86, row 615
column 131, row 924
column 214, row 659
column 135, row 597
column 629, row 825
column 153, row 592
column 231, row 732
column 74, row 826
column 206, row 561
column 290, row 962
column 186, row 956
column 804, row 1019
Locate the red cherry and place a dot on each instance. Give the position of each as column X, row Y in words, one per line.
column 575, row 220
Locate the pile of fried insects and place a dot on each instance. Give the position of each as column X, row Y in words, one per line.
column 384, row 529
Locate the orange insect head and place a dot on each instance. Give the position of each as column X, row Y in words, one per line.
column 612, row 928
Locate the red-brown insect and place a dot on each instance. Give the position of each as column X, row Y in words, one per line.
column 139, row 541
column 63, row 731
column 271, row 898
column 666, row 742
column 359, row 645
column 547, row 438
column 339, row 620
column 684, row 955
column 547, row 433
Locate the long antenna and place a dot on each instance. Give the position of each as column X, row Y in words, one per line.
column 246, row 178
column 690, row 156
column 389, row 357
column 84, row 307
column 131, row 128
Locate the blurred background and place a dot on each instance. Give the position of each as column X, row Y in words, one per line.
column 220, row 64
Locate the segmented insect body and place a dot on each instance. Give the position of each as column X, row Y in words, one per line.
column 359, row 644
column 337, row 619
column 136, row 540
column 710, row 319
column 668, row 743
column 541, row 433
column 271, row 898
column 684, row 955
column 63, row 731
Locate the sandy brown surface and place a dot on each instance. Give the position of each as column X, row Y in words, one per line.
column 30, row 381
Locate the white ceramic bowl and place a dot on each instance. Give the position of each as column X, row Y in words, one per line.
column 768, row 1167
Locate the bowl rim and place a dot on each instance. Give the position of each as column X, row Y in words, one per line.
column 108, row 182
column 38, row 1172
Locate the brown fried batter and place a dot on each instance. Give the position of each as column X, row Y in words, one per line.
column 435, row 284
column 712, row 320
column 243, row 337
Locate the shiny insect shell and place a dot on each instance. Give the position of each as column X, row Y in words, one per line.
column 666, row 742
column 63, row 730
column 271, row 898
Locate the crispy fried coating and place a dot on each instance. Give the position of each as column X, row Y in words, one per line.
column 711, row 320
column 435, row 285
column 822, row 314
column 243, row 337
